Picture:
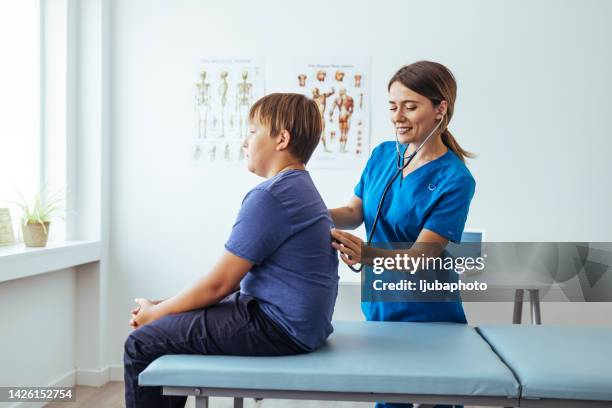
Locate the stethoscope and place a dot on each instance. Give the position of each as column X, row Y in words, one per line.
column 400, row 168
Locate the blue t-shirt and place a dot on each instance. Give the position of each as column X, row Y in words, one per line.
column 435, row 196
column 283, row 228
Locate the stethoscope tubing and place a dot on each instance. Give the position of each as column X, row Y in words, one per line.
column 400, row 168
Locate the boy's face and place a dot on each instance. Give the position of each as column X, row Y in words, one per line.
column 260, row 148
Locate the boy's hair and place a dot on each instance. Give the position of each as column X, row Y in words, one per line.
column 295, row 113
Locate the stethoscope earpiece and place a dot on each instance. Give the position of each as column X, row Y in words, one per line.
column 400, row 157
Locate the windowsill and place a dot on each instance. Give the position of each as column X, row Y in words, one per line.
column 17, row 261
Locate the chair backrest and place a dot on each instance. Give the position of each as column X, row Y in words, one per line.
column 472, row 236
column 470, row 246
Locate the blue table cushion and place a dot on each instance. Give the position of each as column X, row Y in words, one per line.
column 372, row 357
column 556, row 362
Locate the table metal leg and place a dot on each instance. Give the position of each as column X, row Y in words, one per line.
column 534, row 301
column 517, row 316
column 201, row 401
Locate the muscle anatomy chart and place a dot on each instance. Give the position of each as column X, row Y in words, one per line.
column 340, row 87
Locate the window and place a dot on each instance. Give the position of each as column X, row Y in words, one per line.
column 20, row 158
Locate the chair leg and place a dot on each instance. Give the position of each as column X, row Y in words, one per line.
column 518, row 306
column 534, row 301
column 238, row 402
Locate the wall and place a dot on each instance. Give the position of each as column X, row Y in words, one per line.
column 37, row 322
column 533, row 78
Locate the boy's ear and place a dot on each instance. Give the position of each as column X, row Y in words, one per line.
column 282, row 140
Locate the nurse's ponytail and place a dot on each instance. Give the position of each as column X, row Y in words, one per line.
column 449, row 140
column 435, row 82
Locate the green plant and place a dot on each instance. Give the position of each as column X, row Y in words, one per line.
column 41, row 208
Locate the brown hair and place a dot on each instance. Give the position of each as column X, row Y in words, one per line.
column 295, row 113
column 435, row 82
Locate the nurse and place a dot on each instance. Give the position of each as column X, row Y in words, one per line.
column 428, row 202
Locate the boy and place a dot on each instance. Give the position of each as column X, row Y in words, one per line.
column 278, row 254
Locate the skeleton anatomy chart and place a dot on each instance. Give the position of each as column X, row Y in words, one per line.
column 223, row 95
column 340, row 87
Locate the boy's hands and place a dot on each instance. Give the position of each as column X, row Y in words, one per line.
column 145, row 312
column 207, row 290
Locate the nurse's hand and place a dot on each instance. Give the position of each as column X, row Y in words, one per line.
column 348, row 245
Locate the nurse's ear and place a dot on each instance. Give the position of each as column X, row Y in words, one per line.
column 441, row 110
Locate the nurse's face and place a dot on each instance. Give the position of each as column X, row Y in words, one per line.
column 259, row 147
column 412, row 114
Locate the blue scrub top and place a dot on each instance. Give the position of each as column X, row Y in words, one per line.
column 435, row 196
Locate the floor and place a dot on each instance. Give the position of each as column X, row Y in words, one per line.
column 111, row 396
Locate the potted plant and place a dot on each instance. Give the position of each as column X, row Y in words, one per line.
column 36, row 215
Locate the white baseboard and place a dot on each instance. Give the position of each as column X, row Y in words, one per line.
column 93, row 378
column 116, row 372
column 98, row 378
column 66, row 380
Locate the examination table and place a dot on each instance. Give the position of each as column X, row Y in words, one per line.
column 425, row 363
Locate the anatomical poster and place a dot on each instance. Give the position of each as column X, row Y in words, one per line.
column 341, row 89
column 224, row 90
